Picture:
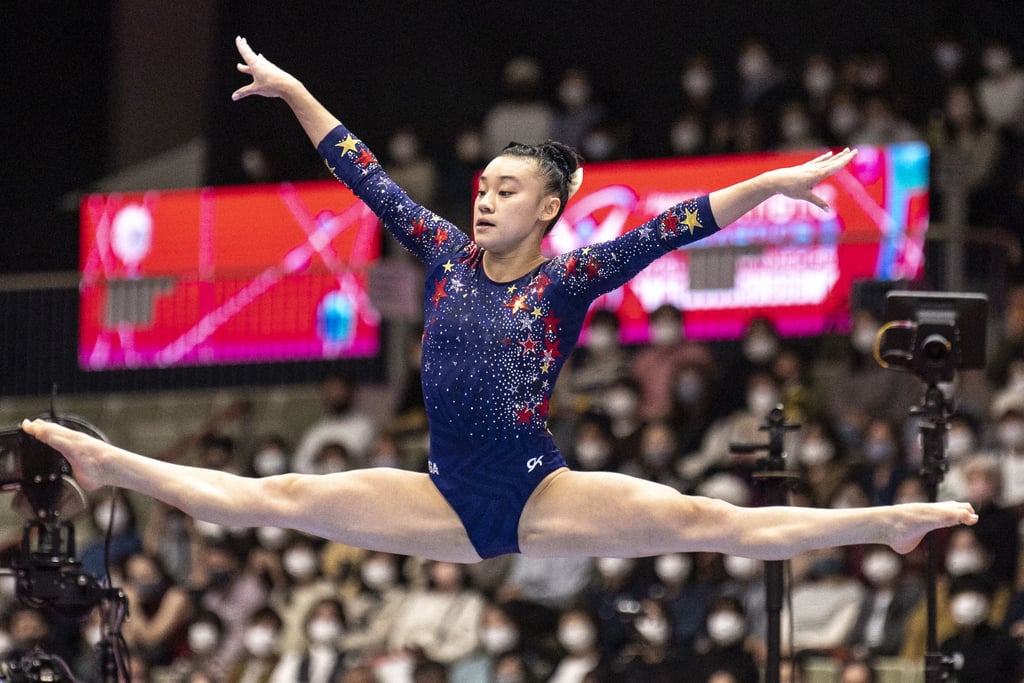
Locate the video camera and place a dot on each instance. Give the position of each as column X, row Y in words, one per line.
column 47, row 573
column 933, row 334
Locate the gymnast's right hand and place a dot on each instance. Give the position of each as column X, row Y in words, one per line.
column 268, row 80
column 84, row 453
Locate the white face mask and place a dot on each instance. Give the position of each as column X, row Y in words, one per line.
column 103, row 512
column 620, row 404
column 1010, row 433
column 697, row 82
column 269, row 461
column 202, row 638
column 960, row 562
column 300, row 563
column 324, row 631
column 673, row 568
column 654, row 630
column 499, row 639
column 762, row 401
column 576, row 636
column 92, row 635
column 260, row 641
column 968, row 608
column 742, row 568
column 816, row 452
column 881, row 567
column 614, row 567
column 665, row 334
column 272, row 537
column 592, row 454
column 602, row 338
column 959, row 443
column 378, row 574
column 760, row 349
column 726, row 627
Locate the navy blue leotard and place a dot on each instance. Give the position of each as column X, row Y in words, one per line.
column 492, row 350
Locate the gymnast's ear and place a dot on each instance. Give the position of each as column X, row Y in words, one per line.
column 550, row 206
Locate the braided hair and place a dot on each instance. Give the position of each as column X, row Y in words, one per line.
column 560, row 169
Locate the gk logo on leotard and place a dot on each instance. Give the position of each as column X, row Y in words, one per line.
column 534, row 463
column 432, row 467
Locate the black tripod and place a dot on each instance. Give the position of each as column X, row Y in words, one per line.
column 934, row 412
column 774, row 479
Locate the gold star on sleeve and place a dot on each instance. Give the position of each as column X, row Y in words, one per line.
column 691, row 220
column 348, row 144
column 448, row 266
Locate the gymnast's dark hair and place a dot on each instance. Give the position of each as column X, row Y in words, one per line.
column 557, row 163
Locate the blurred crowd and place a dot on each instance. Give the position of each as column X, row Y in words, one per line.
column 210, row 603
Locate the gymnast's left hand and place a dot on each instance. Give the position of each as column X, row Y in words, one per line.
column 268, row 80
column 798, row 182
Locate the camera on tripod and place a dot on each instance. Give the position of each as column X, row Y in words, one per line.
column 933, row 334
column 47, row 573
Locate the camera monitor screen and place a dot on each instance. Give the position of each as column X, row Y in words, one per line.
column 226, row 275
column 786, row 260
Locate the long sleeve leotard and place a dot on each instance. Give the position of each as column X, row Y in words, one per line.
column 493, row 350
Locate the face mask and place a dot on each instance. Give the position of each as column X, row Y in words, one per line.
column 378, row 574
column 324, row 631
column 614, row 567
column 209, row 530
column 576, row 636
column 816, row 452
column 863, row 338
column 794, row 126
column 403, row 149
column 620, row 404
column 574, row 93
column 149, row 591
column 673, row 568
column 686, row 138
column 761, row 402
column 818, row 80
column 726, row 627
column 272, row 537
column 654, row 630
column 331, row 465
column 103, row 512
column 665, row 334
column 997, row 61
column 592, row 454
column 843, row 119
column 601, row 339
column 760, row 349
column 202, row 638
column 742, row 568
column 697, row 82
column 689, row 388
column 968, row 608
column 880, row 567
column 960, row 562
column 598, row 146
column 268, row 462
column 879, row 451
column 656, row 458
column 959, row 443
column 499, row 639
column 92, row 635
column 753, row 65
column 948, row 56
column 259, row 641
column 1011, row 434
column 300, row 564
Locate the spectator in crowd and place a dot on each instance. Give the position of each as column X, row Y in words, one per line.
column 160, row 610
column 304, row 587
column 577, row 634
column 726, row 628
column 825, row 602
column 685, row 587
column 342, row 423
column 884, row 466
column 523, row 115
column 886, row 606
column 578, row 113
column 821, row 461
column 262, row 652
column 271, row 456
column 372, row 608
column 321, row 658
column 595, row 366
column 648, row 655
column 205, row 637
column 410, row 168
column 111, row 513
column 612, row 599
column 1001, row 89
column 981, row 653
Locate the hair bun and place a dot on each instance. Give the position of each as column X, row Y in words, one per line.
column 575, row 181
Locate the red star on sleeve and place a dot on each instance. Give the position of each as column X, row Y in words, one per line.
column 671, row 224
column 366, row 158
column 529, row 346
column 551, row 324
column 551, row 348
column 523, row 415
column 592, row 268
column 419, row 227
column 441, row 236
column 439, row 292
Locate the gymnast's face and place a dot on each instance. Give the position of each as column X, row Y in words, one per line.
column 511, row 206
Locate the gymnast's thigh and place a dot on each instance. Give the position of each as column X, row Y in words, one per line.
column 384, row 509
column 611, row 514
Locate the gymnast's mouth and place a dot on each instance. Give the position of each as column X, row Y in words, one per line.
column 484, row 223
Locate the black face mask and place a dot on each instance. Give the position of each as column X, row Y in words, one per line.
column 219, row 579
column 340, row 407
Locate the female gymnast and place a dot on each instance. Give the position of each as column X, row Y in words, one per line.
column 500, row 320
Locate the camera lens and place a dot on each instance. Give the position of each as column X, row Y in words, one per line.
column 935, row 349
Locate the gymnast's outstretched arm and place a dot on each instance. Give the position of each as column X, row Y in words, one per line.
column 269, row 80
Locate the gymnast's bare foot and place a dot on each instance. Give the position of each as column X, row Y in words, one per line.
column 84, row 453
column 912, row 521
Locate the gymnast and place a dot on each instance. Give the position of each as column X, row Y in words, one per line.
column 499, row 321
